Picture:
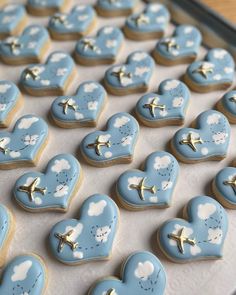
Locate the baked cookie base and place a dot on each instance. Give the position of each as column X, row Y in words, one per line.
column 160, row 59
column 17, row 30
column 140, row 36
column 113, row 13
column 124, row 91
column 47, row 11
column 92, row 61
column 29, row 59
column 221, row 198
column 230, row 117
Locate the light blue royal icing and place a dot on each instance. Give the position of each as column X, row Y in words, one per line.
column 5, row 225
column 205, row 231
column 212, row 134
column 185, row 42
column 9, row 95
column 118, row 141
column 168, row 103
column 91, row 237
column 25, row 274
column 10, row 17
column 114, row 5
column 53, row 74
column 228, row 102
column 137, row 72
column 84, row 107
column 54, row 188
column 218, row 65
column 78, row 20
column 224, row 183
column 142, row 274
column 46, row 3
column 24, row 142
column 105, row 45
column 29, row 44
column 152, row 187
column 154, row 18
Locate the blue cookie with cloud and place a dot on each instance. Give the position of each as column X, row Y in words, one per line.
column 115, row 145
column 199, row 236
column 46, row 7
column 227, row 105
column 209, row 140
column 113, row 8
column 151, row 188
column 82, row 109
column 74, row 241
column 167, row 106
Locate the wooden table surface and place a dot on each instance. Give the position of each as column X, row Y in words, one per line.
column 225, row 7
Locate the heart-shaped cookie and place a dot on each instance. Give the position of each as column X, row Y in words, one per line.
column 200, row 236
column 30, row 47
column 46, row 7
column 182, row 47
column 74, row 241
column 6, row 232
column 52, row 78
column 12, row 20
column 113, row 8
column 151, row 188
column 165, row 107
column 148, row 24
column 52, row 190
column 142, row 274
column 25, row 274
column 131, row 77
column 227, row 105
column 82, row 109
column 113, row 146
column 215, row 72
column 208, row 141
column 101, row 49
column 73, row 25
column 224, row 187
column 10, row 102
column 24, row 145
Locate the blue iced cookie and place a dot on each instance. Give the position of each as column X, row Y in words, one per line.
column 24, row 145
column 224, row 187
column 52, row 78
column 208, row 140
column 52, row 190
column 165, row 107
column 200, row 235
column 6, row 232
column 131, row 77
column 82, row 109
column 227, row 105
column 29, row 47
column 113, row 8
column 182, row 47
column 12, row 20
column 74, row 241
column 25, row 274
column 215, row 72
column 148, row 24
column 46, row 7
column 101, row 49
column 73, row 25
column 151, row 188
column 10, row 102
column 142, row 274
column 115, row 145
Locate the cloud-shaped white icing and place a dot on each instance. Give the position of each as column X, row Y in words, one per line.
column 61, row 190
column 144, row 270
column 155, row 7
column 26, row 123
column 204, row 151
column 111, row 43
column 96, row 209
column 14, row 154
column 166, row 185
column 178, row 102
column 172, row 84
column 108, row 30
column 20, row 271
column 77, row 230
column 134, row 180
column 204, row 211
column 78, row 254
column 126, row 140
column 60, row 165
column 56, row 57
column 213, row 119
column 31, row 139
column 108, row 155
column 90, row 87
column 215, row 236
column 121, row 121
column 153, row 199
column 195, row 249
column 219, row 53
column 4, row 88
column 162, row 162
column 139, row 71
column 92, row 105
column 102, row 234
column 139, row 56
column 219, row 137
column 104, row 137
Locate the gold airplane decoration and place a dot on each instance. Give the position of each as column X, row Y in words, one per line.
column 181, row 239
column 59, row 18
column 68, row 104
column 141, row 188
column 170, row 44
column 191, row 141
column 3, row 149
column 233, row 98
column 14, row 44
column 121, row 74
column 32, row 73
column 32, row 188
column 232, row 183
column 111, row 292
column 98, row 144
column 89, row 44
column 141, row 19
column 153, row 105
column 204, row 70
column 65, row 239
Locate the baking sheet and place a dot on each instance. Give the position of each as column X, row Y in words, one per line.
column 137, row 230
